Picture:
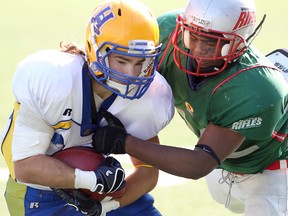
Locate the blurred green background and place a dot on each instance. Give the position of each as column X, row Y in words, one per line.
column 27, row 26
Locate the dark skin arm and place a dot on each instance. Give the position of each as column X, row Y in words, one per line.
column 187, row 163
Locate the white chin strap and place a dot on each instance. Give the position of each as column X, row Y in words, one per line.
column 123, row 87
column 119, row 87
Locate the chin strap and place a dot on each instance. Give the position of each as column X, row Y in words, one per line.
column 256, row 31
column 210, row 151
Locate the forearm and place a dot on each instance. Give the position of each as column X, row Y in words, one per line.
column 138, row 183
column 186, row 163
column 45, row 170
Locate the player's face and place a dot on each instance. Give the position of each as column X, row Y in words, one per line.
column 203, row 47
column 127, row 65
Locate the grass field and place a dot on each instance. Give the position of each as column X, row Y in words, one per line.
column 27, row 26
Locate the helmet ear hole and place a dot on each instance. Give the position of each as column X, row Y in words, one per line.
column 185, row 38
column 225, row 49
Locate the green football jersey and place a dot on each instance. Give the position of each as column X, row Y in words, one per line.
column 250, row 97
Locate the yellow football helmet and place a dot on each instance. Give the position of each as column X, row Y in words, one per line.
column 125, row 27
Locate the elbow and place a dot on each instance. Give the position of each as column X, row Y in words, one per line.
column 196, row 174
column 153, row 182
column 202, row 173
column 203, row 166
column 196, row 177
column 152, row 178
column 21, row 174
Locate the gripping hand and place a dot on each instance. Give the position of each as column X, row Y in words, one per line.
column 80, row 202
column 110, row 176
column 111, row 138
column 87, row 206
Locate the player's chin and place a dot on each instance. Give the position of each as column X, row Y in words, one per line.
column 204, row 64
column 211, row 64
column 205, row 67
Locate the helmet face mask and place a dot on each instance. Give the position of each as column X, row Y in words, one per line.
column 125, row 29
column 126, row 86
column 224, row 25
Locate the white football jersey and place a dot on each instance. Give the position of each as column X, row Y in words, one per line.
column 54, row 94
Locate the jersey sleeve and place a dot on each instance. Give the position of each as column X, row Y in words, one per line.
column 31, row 136
column 163, row 105
column 44, row 86
column 252, row 109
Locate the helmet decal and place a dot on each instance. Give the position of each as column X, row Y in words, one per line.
column 204, row 23
column 101, row 18
column 247, row 17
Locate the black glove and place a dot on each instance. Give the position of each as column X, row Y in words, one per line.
column 110, row 176
column 111, row 138
column 80, row 202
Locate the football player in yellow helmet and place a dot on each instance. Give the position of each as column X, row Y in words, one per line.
column 62, row 97
column 129, row 31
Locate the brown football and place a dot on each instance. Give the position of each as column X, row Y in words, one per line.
column 85, row 158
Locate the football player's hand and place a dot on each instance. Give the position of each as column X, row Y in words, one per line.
column 111, row 138
column 85, row 205
column 110, row 176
